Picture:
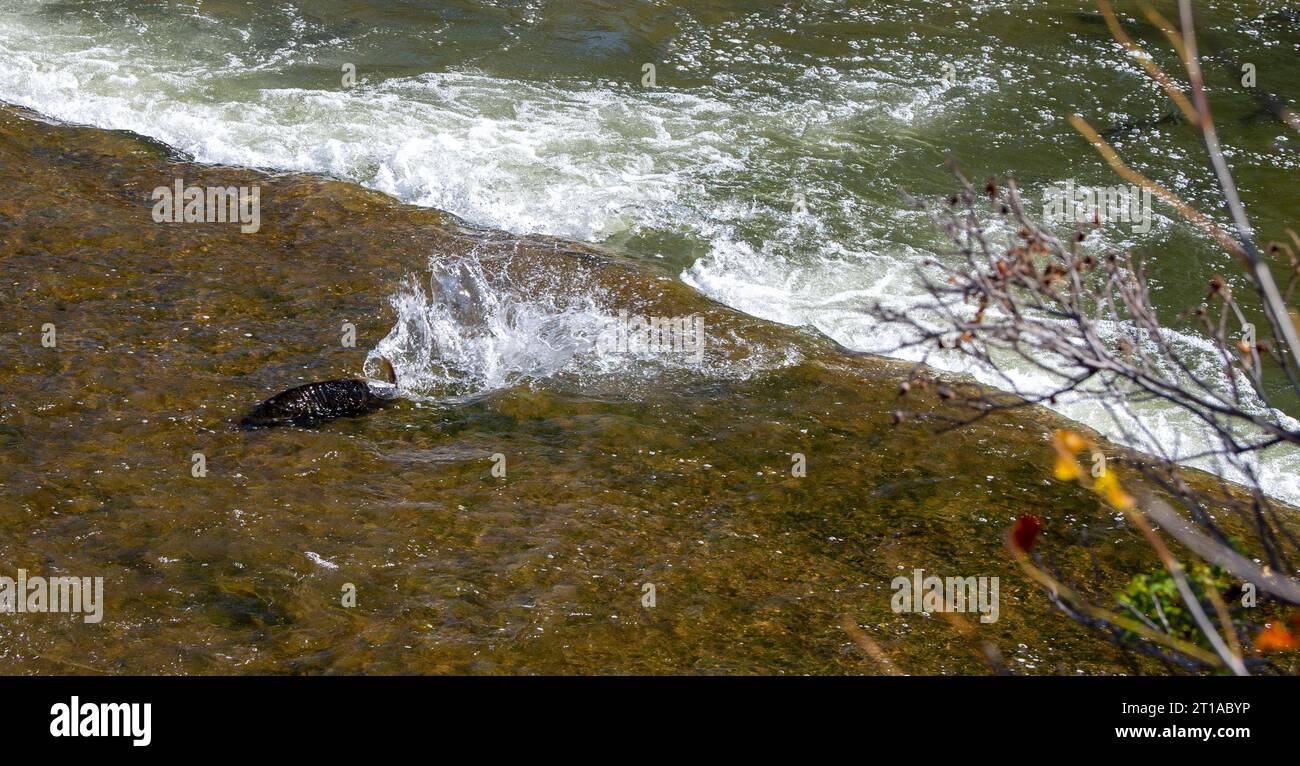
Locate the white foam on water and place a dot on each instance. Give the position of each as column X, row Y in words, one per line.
column 579, row 160
column 462, row 333
column 836, row 302
column 457, row 337
column 519, row 156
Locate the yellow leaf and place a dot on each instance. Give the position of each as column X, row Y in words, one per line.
column 1067, row 469
column 1070, row 441
column 1109, row 486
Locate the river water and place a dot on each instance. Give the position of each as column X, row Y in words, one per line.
column 754, row 184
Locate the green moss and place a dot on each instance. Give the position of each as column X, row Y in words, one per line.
column 1155, row 596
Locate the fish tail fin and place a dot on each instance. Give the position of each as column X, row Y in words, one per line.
column 387, row 367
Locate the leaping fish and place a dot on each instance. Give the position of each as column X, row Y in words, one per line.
column 315, row 403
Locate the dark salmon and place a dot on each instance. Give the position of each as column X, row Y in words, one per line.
column 315, row 403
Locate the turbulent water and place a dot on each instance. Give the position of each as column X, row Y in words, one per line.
column 763, row 164
column 750, row 152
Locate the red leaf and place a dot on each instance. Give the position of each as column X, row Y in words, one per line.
column 1025, row 533
column 1276, row 638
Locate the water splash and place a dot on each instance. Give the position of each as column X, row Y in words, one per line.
column 459, row 336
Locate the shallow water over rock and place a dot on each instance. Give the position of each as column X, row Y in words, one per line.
column 618, row 474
